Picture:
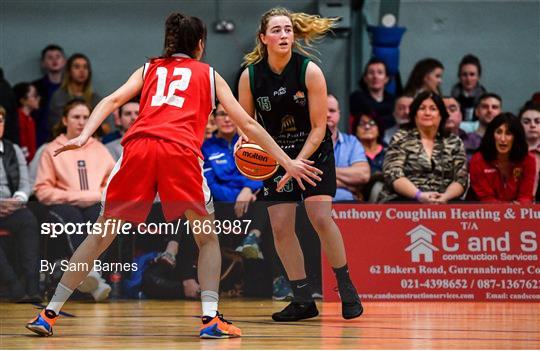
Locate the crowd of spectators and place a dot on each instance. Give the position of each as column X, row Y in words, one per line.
column 421, row 146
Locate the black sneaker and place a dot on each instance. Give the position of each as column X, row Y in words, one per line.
column 351, row 307
column 296, row 311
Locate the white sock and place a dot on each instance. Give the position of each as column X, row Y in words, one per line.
column 61, row 295
column 209, row 301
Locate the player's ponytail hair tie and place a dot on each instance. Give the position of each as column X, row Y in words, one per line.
column 307, row 28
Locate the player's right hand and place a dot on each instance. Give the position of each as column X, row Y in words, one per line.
column 242, row 139
column 72, row 144
column 300, row 169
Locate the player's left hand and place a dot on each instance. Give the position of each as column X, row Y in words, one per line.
column 300, row 169
column 72, row 144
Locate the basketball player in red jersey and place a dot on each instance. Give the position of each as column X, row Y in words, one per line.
column 162, row 155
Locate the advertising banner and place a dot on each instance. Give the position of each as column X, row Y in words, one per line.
column 439, row 252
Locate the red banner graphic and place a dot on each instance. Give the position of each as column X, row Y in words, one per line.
column 439, row 252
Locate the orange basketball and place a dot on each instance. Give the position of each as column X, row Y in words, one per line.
column 255, row 163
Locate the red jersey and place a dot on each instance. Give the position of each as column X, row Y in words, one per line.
column 177, row 97
column 489, row 185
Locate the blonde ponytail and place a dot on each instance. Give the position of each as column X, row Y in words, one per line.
column 307, row 28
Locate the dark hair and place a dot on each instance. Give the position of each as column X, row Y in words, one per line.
column 59, row 127
column 21, row 90
column 487, row 96
column 371, row 114
column 135, row 100
column 470, row 59
column 420, row 70
column 182, row 34
column 415, row 106
column 520, row 148
column 2, row 111
column 530, row 105
column 51, row 47
column 374, row 61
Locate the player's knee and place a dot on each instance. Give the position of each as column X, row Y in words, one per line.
column 322, row 224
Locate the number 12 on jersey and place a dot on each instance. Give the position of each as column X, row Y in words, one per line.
column 177, row 84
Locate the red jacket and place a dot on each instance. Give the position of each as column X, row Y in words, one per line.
column 489, row 186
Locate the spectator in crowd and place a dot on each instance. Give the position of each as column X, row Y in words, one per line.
column 503, row 170
column 425, row 76
column 128, row 113
column 401, row 116
column 27, row 102
column 530, row 119
column 489, row 106
column 454, row 117
column 211, row 128
column 367, row 131
column 77, row 82
column 372, row 96
column 53, row 61
column 468, row 90
column 424, row 162
column 352, row 169
column 9, row 102
column 72, row 183
column 18, row 221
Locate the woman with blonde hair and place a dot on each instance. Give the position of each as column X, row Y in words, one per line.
column 288, row 91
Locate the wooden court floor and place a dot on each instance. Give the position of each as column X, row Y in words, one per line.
column 172, row 325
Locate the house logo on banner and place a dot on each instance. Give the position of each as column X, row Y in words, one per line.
column 421, row 246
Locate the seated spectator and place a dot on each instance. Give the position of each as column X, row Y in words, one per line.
column 352, row 169
column 425, row 76
column 468, row 90
column 128, row 113
column 372, row 96
column 367, row 131
column 489, row 106
column 530, row 119
column 211, row 128
column 9, row 103
column 72, row 183
column 235, row 195
column 53, row 61
column 27, row 102
column 18, row 221
column 424, row 162
column 454, row 117
column 77, row 83
column 401, row 116
column 503, row 170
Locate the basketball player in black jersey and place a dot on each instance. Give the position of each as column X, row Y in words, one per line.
column 288, row 93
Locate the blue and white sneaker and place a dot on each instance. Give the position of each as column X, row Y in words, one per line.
column 250, row 247
column 281, row 289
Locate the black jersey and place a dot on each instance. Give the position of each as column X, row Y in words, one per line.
column 281, row 102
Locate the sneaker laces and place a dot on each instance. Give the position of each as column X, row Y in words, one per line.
column 220, row 316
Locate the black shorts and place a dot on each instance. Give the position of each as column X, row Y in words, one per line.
column 291, row 192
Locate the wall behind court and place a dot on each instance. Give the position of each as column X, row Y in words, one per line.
column 118, row 35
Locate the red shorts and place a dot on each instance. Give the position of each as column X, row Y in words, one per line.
column 154, row 166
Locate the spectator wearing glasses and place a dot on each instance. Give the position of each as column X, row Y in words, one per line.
column 468, row 90
column 368, row 132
